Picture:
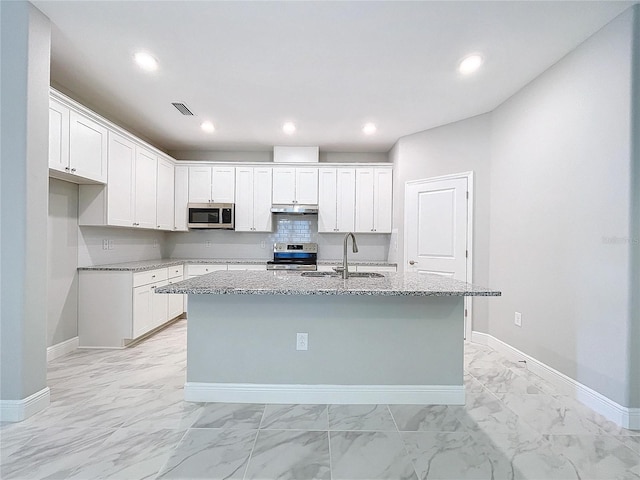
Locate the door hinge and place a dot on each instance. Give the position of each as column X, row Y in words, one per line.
column 465, row 312
column 466, row 254
column 467, row 195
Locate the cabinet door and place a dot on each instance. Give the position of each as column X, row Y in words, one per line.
column 307, row 186
column 284, row 185
column 159, row 306
column 346, row 199
column 120, row 184
column 327, row 200
column 142, row 316
column 262, row 186
column 165, row 193
column 223, row 184
column 175, row 302
column 181, row 198
column 244, row 201
column 145, row 188
column 58, row 136
column 199, row 184
column 87, row 148
column 195, row 270
column 382, row 200
column 364, row 200
column 253, row 267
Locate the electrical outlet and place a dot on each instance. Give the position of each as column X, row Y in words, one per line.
column 263, row 244
column 105, row 244
column 110, row 244
column 302, row 341
column 207, row 244
column 518, row 319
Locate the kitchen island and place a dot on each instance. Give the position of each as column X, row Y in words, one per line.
column 395, row 339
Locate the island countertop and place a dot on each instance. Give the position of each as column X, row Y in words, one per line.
column 290, row 283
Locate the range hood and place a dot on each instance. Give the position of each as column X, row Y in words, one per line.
column 295, row 209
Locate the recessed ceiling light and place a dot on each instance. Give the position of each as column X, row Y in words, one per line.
column 288, row 128
column 369, row 128
column 470, row 64
column 146, row 61
column 207, row 127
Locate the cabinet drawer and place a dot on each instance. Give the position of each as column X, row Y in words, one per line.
column 176, row 271
column 375, row 268
column 197, row 270
column 152, row 276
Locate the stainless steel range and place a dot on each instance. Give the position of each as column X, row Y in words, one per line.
column 294, row 256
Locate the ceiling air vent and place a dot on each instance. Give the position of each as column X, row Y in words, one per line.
column 182, row 108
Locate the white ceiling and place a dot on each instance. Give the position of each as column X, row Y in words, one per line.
column 327, row 66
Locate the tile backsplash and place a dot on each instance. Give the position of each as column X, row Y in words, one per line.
column 295, row 228
column 256, row 245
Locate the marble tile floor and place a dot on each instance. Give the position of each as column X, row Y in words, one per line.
column 120, row 415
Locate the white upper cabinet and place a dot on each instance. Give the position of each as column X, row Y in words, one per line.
column 199, row 184
column 211, row 184
column 120, row 183
column 253, row 199
column 336, row 199
column 373, row 200
column 58, row 136
column 77, row 146
column 129, row 198
column 223, row 180
column 295, row 185
column 181, row 198
column 165, row 196
column 145, row 188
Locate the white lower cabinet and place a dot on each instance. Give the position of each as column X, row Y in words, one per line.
column 197, row 269
column 376, row 268
column 253, row 267
column 176, row 303
column 117, row 307
column 359, row 268
column 142, row 313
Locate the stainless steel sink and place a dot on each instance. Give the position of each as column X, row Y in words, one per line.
column 336, row 274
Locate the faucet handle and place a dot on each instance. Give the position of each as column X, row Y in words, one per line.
column 338, row 269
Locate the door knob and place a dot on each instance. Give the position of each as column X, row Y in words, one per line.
column 411, row 262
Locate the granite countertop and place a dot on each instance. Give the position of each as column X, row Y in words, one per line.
column 145, row 265
column 292, row 283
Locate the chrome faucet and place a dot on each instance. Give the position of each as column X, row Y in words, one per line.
column 345, row 264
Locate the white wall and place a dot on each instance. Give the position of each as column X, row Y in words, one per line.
column 560, row 209
column 634, row 311
column 259, row 246
column 458, row 147
column 25, row 48
column 267, row 156
column 129, row 245
column 62, row 262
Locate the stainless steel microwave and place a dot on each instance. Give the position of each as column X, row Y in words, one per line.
column 211, row 215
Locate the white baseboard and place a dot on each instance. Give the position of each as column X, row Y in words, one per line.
column 623, row 416
column 18, row 410
column 319, row 394
column 62, row 348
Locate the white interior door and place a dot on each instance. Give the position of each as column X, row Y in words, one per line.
column 436, row 227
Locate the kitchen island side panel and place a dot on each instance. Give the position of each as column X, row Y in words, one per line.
column 353, row 340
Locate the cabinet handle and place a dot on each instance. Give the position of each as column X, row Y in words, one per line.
column 66, row 169
column 153, row 276
column 158, row 226
column 73, row 170
column 411, row 262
